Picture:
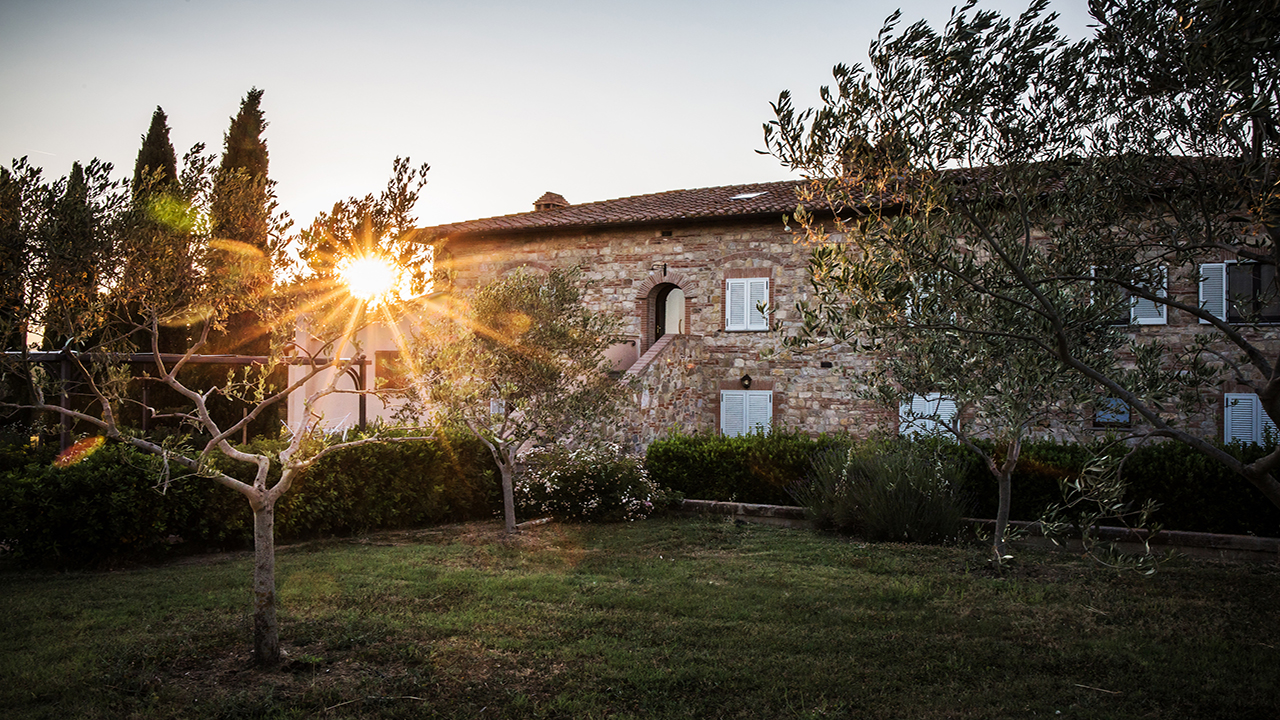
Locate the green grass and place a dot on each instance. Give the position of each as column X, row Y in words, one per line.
column 666, row 619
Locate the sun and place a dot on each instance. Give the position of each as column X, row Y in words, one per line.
column 368, row 278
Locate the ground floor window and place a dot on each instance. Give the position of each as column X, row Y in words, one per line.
column 389, row 370
column 924, row 414
column 1244, row 419
column 745, row 411
column 1112, row 412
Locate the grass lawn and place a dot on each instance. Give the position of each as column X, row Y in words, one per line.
column 665, row 618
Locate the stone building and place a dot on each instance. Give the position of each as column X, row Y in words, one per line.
column 687, row 271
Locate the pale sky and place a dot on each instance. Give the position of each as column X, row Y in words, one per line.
column 505, row 100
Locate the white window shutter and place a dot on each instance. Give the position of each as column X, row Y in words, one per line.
column 945, row 410
column 759, row 411
column 1213, row 290
column 1240, row 417
column 920, row 416
column 733, row 412
column 1266, row 428
column 735, row 305
column 757, row 295
column 1149, row 312
column 905, row 426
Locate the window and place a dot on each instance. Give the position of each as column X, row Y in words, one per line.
column 1112, row 412
column 924, row 415
column 1149, row 312
column 742, row 300
column 745, row 411
column 1240, row 291
column 1245, row 420
column 1142, row 311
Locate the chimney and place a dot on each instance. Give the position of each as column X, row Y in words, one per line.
column 550, row 201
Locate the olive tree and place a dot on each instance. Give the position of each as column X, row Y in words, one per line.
column 1047, row 193
column 183, row 283
column 520, row 362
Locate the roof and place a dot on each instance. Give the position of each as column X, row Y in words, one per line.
column 729, row 201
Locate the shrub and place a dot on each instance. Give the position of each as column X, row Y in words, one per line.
column 108, row 507
column 889, row 490
column 380, row 486
column 391, row 485
column 594, row 484
column 747, row 468
column 1193, row 491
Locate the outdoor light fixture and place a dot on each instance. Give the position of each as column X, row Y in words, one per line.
column 655, row 266
column 746, row 382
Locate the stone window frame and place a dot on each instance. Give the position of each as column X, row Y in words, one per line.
column 762, row 385
column 745, row 274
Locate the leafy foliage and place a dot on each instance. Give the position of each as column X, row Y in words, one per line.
column 156, row 168
column 1004, row 200
column 597, row 483
column 521, row 361
column 1192, row 491
column 109, row 508
column 747, row 468
column 189, row 271
column 885, row 491
column 373, row 226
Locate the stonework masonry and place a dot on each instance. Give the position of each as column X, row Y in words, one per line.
column 679, row 390
column 629, row 267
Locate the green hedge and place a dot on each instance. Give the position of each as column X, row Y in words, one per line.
column 106, row 508
column 1195, row 492
column 748, row 468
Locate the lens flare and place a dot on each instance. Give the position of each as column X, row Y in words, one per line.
column 368, row 278
column 78, row 452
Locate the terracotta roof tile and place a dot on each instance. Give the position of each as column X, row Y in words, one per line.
column 759, row 199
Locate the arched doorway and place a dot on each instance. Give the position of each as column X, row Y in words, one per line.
column 668, row 311
column 663, row 306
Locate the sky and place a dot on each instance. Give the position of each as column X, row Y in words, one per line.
column 506, row 100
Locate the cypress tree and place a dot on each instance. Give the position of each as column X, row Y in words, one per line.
column 244, row 147
column 240, row 214
column 70, row 261
column 157, row 247
column 13, row 259
column 240, row 189
column 156, row 169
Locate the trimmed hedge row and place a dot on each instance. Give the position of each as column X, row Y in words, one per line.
column 1195, row 493
column 747, row 468
column 106, row 508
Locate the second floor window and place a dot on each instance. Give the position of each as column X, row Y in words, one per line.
column 742, row 300
column 1240, row 291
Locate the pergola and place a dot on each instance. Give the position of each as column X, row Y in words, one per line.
column 357, row 371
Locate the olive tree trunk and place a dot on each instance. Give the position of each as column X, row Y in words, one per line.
column 266, row 628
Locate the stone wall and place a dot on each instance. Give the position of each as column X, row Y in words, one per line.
column 680, row 389
column 813, row 392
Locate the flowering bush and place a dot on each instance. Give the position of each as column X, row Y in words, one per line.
column 594, row 484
